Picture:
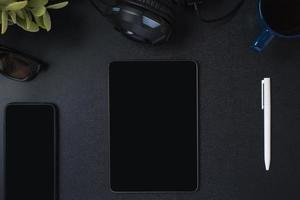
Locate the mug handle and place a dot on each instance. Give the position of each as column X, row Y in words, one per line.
column 263, row 40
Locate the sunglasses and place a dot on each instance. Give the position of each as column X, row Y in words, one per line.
column 17, row 66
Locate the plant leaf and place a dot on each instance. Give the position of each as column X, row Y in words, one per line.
column 4, row 21
column 37, row 3
column 47, row 21
column 38, row 11
column 20, row 13
column 28, row 19
column 23, row 24
column 39, row 21
column 33, row 27
column 16, row 5
column 58, row 5
column 13, row 16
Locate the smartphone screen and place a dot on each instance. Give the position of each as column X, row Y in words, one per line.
column 30, row 152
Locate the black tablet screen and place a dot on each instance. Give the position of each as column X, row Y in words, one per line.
column 153, row 126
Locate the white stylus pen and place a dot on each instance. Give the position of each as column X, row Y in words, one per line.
column 266, row 106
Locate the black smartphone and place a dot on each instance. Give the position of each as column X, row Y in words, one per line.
column 30, row 147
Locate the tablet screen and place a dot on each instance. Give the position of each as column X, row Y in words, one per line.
column 153, row 126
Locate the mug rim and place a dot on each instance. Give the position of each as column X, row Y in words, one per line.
column 267, row 27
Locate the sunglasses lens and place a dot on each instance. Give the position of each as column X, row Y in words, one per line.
column 19, row 67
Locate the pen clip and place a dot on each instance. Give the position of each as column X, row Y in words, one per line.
column 262, row 94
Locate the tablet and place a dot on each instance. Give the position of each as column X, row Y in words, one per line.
column 153, row 126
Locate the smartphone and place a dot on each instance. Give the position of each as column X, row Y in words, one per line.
column 30, row 148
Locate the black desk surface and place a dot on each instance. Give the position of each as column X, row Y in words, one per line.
column 78, row 52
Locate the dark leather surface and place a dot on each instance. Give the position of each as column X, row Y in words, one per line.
column 78, row 52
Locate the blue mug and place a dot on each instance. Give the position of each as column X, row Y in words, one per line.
column 278, row 19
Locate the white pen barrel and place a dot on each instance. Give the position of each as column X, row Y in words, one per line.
column 267, row 136
column 267, row 124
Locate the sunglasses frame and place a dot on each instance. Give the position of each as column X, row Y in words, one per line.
column 35, row 70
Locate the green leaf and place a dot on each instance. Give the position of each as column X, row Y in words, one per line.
column 28, row 19
column 13, row 16
column 38, row 11
column 58, row 5
column 4, row 21
column 47, row 21
column 37, row 3
column 39, row 21
column 16, row 5
column 23, row 24
column 20, row 13
column 33, row 27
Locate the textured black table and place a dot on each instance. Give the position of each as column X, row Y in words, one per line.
column 78, row 52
